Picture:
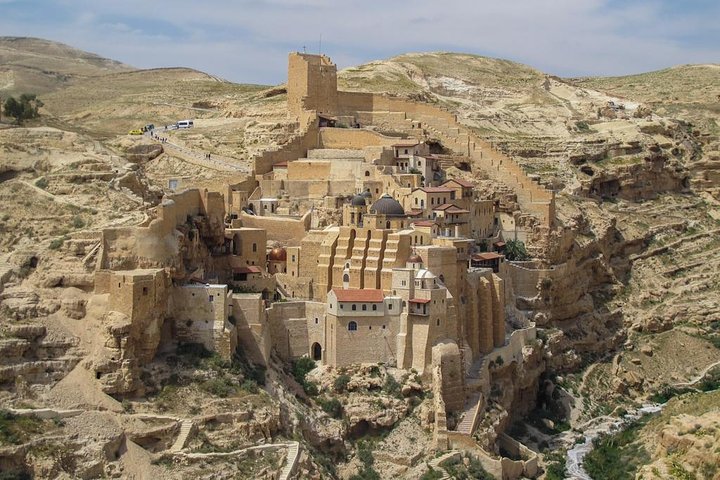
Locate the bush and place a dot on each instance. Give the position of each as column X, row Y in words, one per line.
column 391, row 386
column 300, row 369
column 515, row 251
column 220, row 387
column 41, row 183
column 24, row 108
column 57, row 243
column 341, row 383
column 250, row 386
column 78, row 222
column 15, row 429
column 331, row 406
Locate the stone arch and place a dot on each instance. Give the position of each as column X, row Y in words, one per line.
column 316, row 351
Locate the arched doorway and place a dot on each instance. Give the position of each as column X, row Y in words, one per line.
column 316, row 351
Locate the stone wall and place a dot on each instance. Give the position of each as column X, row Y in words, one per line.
column 283, row 229
column 248, row 312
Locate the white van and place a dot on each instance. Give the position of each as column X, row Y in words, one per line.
column 184, row 124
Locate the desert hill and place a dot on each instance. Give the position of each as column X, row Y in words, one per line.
column 637, row 198
column 685, row 91
column 41, row 66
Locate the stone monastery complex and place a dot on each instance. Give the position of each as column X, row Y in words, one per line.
column 347, row 245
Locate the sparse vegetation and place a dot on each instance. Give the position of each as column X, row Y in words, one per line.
column 15, row 429
column 618, row 456
column 23, row 108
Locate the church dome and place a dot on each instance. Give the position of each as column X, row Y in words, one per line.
column 278, row 254
column 424, row 274
column 366, row 194
column 388, row 206
column 414, row 258
column 358, row 201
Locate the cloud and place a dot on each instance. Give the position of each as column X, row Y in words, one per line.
column 247, row 41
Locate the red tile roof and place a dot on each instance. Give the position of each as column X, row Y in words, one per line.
column 436, row 189
column 419, row 300
column 424, row 223
column 461, row 182
column 450, row 208
column 486, row 256
column 369, row 295
column 250, row 269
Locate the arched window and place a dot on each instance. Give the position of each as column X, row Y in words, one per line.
column 346, row 277
column 352, row 326
column 364, row 307
column 387, row 224
column 354, row 307
column 367, row 173
column 374, row 307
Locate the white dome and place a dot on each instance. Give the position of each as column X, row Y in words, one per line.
column 423, row 273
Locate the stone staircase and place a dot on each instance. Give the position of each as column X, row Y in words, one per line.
column 291, row 461
column 469, row 416
column 182, row 438
column 435, row 463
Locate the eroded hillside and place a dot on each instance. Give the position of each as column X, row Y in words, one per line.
column 635, row 244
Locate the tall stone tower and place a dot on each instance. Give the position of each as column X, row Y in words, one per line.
column 312, row 85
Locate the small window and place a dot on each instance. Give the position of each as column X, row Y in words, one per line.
column 145, row 290
column 352, row 326
column 316, row 319
column 389, row 306
column 364, row 307
column 354, row 307
column 406, row 151
column 342, row 307
column 438, row 322
column 383, row 327
column 374, row 307
column 211, row 298
column 367, row 173
column 370, row 327
column 254, row 247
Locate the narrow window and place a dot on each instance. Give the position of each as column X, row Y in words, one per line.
column 354, row 307
column 364, row 307
column 211, row 298
column 254, row 247
column 374, row 307
column 352, row 326
column 145, row 290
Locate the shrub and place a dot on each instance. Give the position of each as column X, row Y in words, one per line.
column 78, row 222
column 250, row 386
column 220, row 387
column 331, row 406
column 391, row 386
column 41, row 183
column 15, row 429
column 57, row 243
column 341, row 383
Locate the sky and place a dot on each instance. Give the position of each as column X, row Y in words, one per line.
column 248, row 41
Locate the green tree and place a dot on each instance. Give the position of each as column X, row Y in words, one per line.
column 515, row 251
column 24, row 108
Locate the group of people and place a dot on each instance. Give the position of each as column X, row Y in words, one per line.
column 158, row 137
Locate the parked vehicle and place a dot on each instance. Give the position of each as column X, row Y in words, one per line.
column 184, row 124
column 137, row 131
column 148, row 128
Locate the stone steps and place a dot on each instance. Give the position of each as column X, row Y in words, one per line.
column 435, row 463
column 292, row 458
column 182, row 438
column 468, row 419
